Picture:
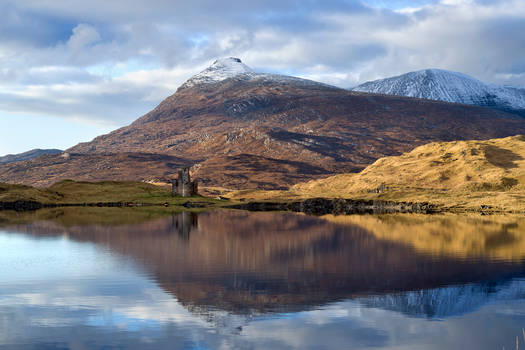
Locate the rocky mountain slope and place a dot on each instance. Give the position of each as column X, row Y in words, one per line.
column 48, row 169
column 443, row 85
column 242, row 129
column 28, row 155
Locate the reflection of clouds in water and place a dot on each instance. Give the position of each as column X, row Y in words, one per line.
column 33, row 258
column 149, row 314
column 372, row 327
column 123, row 322
column 151, row 317
column 82, row 309
column 149, row 303
column 336, row 326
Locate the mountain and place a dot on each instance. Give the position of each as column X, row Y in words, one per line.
column 241, row 129
column 28, row 155
column 443, row 85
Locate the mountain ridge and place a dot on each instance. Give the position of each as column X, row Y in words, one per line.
column 239, row 129
column 37, row 152
column 449, row 86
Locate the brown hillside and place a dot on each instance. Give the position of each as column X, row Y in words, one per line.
column 47, row 170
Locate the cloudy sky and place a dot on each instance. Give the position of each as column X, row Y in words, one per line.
column 71, row 70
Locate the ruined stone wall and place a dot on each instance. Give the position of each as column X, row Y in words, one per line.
column 183, row 186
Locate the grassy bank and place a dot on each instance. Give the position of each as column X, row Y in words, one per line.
column 98, row 193
column 444, row 200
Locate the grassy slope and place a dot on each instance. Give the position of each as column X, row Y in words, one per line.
column 72, row 192
column 453, row 174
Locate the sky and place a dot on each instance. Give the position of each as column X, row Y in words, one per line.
column 72, row 70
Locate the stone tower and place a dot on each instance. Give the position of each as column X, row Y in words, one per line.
column 183, row 186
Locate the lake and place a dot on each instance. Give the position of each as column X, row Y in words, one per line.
column 147, row 278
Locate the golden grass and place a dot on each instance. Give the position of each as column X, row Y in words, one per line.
column 458, row 174
column 497, row 164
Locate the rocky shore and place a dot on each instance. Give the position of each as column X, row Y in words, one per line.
column 338, row 206
column 21, row 205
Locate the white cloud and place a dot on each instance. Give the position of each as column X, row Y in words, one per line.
column 83, row 36
column 457, row 2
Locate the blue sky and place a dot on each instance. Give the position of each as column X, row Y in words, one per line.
column 71, row 70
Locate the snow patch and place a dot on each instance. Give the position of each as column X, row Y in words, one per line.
column 221, row 69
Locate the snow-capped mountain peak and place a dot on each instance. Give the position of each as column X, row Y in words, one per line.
column 221, row 69
column 231, row 67
column 448, row 86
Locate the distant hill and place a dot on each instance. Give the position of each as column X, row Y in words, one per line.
column 497, row 164
column 453, row 172
column 448, row 86
column 240, row 129
column 28, row 155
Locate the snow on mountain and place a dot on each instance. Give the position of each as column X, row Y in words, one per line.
column 232, row 67
column 443, row 85
column 221, row 69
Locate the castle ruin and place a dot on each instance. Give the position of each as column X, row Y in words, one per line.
column 183, row 186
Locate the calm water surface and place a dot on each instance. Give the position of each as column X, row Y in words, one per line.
column 124, row 278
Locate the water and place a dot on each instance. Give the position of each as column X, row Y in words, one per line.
column 104, row 278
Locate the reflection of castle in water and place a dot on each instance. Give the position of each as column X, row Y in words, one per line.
column 184, row 223
column 261, row 262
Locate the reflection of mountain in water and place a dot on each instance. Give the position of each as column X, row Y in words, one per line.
column 448, row 301
column 261, row 262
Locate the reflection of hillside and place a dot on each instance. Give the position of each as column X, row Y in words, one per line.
column 495, row 237
column 242, row 262
column 86, row 216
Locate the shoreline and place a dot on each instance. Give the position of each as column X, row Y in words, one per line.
column 21, row 205
column 338, row 206
column 310, row 206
